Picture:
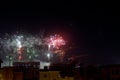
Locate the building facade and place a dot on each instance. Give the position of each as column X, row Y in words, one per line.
column 53, row 75
column 29, row 71
column 102, row 72
column 110, row 72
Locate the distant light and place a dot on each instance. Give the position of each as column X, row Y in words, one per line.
column 77, row 67
column 48, row 55
column 10, row 58
column 7, row 56
column 30, row 57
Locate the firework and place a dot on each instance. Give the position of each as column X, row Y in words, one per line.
column 54, row 42
column 54, row 45
column 20, row 46
column 28, row 47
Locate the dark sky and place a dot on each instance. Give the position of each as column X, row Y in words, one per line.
column 93, row 31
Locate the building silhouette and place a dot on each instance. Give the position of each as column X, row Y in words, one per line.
column 30, row 71
column 0, row 62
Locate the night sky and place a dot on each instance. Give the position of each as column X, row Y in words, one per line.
column 91, row 31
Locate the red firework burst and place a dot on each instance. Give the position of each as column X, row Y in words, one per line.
column 55, row 42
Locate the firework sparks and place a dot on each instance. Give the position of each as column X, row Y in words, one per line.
column 55, row 42
column 19, row 48
column 19, row 44
column 27, row 47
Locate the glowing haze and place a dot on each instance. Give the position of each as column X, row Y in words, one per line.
column 27, row 47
